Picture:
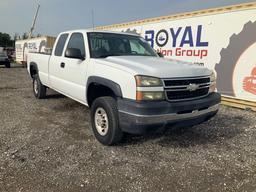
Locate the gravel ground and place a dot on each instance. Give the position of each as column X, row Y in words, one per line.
column 47, row 145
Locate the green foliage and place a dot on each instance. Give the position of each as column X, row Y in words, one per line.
column 5, row 40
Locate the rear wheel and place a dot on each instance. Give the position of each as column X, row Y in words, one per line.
column 105, row 121
column 38, row 88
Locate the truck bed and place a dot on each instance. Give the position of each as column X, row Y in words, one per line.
column 42, row 61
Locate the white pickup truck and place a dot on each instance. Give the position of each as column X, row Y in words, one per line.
column 126, row 84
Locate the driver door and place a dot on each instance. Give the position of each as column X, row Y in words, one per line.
column 75, row 70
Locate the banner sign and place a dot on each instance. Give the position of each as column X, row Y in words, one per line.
column 39, row 44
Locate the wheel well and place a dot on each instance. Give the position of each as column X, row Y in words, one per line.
column 33, row 70
column 97, row 90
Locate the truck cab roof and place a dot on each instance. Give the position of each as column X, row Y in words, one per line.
column 97, row 31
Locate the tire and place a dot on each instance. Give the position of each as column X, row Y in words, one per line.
column 8, row 65
column 104, row 110
column 230, row 55
column 38, row 88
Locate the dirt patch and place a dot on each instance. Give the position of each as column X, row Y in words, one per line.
column 48, row 145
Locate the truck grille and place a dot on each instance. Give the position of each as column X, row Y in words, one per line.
column 177, row 82
column 186, row 88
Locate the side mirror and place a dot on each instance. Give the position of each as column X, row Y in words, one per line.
column 74, row 53
column 160, row 54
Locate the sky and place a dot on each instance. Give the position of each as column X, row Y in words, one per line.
column 56, row 16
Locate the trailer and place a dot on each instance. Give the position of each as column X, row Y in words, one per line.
column 39, row 45
column 222, row 39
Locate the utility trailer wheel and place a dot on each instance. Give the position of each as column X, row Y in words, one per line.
column 105, row 121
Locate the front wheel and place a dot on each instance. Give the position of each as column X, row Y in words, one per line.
column 38, row 88
column 105, row 121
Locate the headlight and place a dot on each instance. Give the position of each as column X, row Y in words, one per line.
column 149, row 95
column 213, row 77
column 149, row 88
column 145, row 81
column 213, row 82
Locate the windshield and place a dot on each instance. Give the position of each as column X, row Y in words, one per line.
column 110, row 44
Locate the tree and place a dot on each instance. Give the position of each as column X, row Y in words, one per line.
column 5, row 40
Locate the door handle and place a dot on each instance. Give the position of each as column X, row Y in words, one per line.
column 62, row 65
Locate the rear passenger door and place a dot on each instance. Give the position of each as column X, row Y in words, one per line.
column 74, row 70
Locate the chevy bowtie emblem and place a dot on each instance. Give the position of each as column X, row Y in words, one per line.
column 192, row 87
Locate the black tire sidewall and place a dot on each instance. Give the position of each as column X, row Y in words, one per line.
column 35, row 79
column 41, row 88
column 114, row 133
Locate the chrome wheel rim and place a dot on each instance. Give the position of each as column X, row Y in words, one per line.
column 101, row 121
column 35, row 86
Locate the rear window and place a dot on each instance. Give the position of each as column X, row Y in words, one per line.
column 60, row 45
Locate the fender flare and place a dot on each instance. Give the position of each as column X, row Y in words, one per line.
column 105, row 82
column 35, row 66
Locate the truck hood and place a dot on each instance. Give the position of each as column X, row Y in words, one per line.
column 155, row 66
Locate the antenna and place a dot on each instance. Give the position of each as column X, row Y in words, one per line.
column 34, row 22
column 92, row 20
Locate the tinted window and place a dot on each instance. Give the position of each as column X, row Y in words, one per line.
column 77, row 42
column 60, row 45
